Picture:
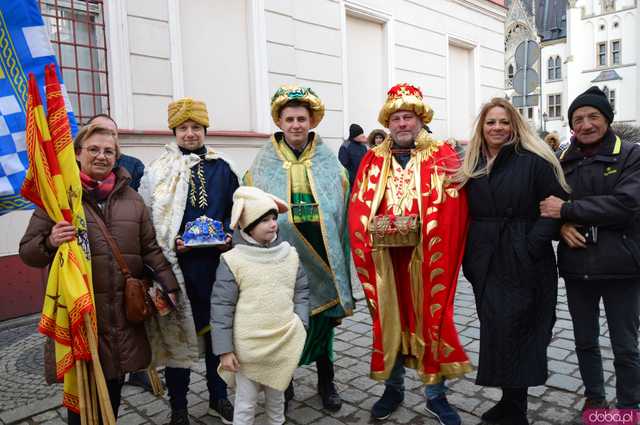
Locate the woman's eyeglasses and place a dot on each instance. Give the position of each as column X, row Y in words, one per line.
column 95, row 151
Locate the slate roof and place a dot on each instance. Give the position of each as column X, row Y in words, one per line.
column 551, row 17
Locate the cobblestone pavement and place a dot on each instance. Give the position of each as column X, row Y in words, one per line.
column 25, row 399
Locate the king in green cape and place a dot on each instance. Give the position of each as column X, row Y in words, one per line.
column 296, row 166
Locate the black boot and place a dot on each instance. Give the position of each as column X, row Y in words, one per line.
column 179, row 417
column 495, row 414
column 326, row 388
column 289, row 394
column 516, row 406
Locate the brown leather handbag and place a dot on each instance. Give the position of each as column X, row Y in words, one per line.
column 138, row 305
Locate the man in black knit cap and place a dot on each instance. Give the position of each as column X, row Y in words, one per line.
column 353, row 150
column 599, row 254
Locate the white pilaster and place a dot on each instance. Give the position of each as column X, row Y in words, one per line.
column 259, row 66
column 119, row 62
column 175, row 36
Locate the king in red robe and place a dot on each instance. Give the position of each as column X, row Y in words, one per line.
column 407, row 224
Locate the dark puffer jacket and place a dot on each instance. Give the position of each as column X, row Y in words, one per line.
column 605, row 194
column 123, row 347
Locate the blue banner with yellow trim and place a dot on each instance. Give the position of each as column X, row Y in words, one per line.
column 24, row 47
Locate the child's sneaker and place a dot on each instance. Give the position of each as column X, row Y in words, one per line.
column 222, row 409
column 440, row 408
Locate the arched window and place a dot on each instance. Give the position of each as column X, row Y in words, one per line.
column 554, row 68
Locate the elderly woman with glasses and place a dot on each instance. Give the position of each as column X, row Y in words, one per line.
column 123, row 346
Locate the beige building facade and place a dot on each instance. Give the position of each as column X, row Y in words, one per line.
column 233, row 54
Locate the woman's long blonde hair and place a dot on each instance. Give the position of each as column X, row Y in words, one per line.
column 521, row 136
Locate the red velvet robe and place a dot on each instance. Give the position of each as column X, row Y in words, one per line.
column 410, row 290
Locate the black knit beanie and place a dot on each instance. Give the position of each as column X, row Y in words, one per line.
column 355, row 130
column 593, row 97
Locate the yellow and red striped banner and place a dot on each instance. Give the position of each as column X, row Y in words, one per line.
column 53, row 183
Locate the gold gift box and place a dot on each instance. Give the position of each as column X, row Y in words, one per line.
column 397, row 231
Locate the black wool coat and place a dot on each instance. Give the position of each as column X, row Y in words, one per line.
column 510, row 262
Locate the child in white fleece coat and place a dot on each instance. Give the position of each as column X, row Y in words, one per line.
column 259, row 307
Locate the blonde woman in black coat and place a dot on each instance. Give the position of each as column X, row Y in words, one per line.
column 509, row 259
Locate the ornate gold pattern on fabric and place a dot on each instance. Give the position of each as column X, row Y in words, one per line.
column 297, row 166
column 280, row 152
column 299, row 179
column 369, row 287
column 433, row 241
column 401, row 187
column 427, row 296
column 435, row 273
column 432, row 224
column 202, row 197
column 435, row 257
column 393, row 228
column 438, row 287
column 426, row 145
column 288, row 93
column 388, row 307
column 446, row 349
column 323, row 232
column 394, row 231
column 364, row 220
column 359, row 236
column 447, row 371
column 187, row 109
column 452, row 192
column 375, row 170
column 417, row 294
column 383, row 150
column 412, row 350
column 404, row 97
column 307, row 163
column 248, row 178
column 324, row 307
column 372, row 306
column 437, row 184
column 434, row 346
column 363, row 272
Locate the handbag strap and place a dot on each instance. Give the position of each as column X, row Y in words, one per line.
column 112, row 243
